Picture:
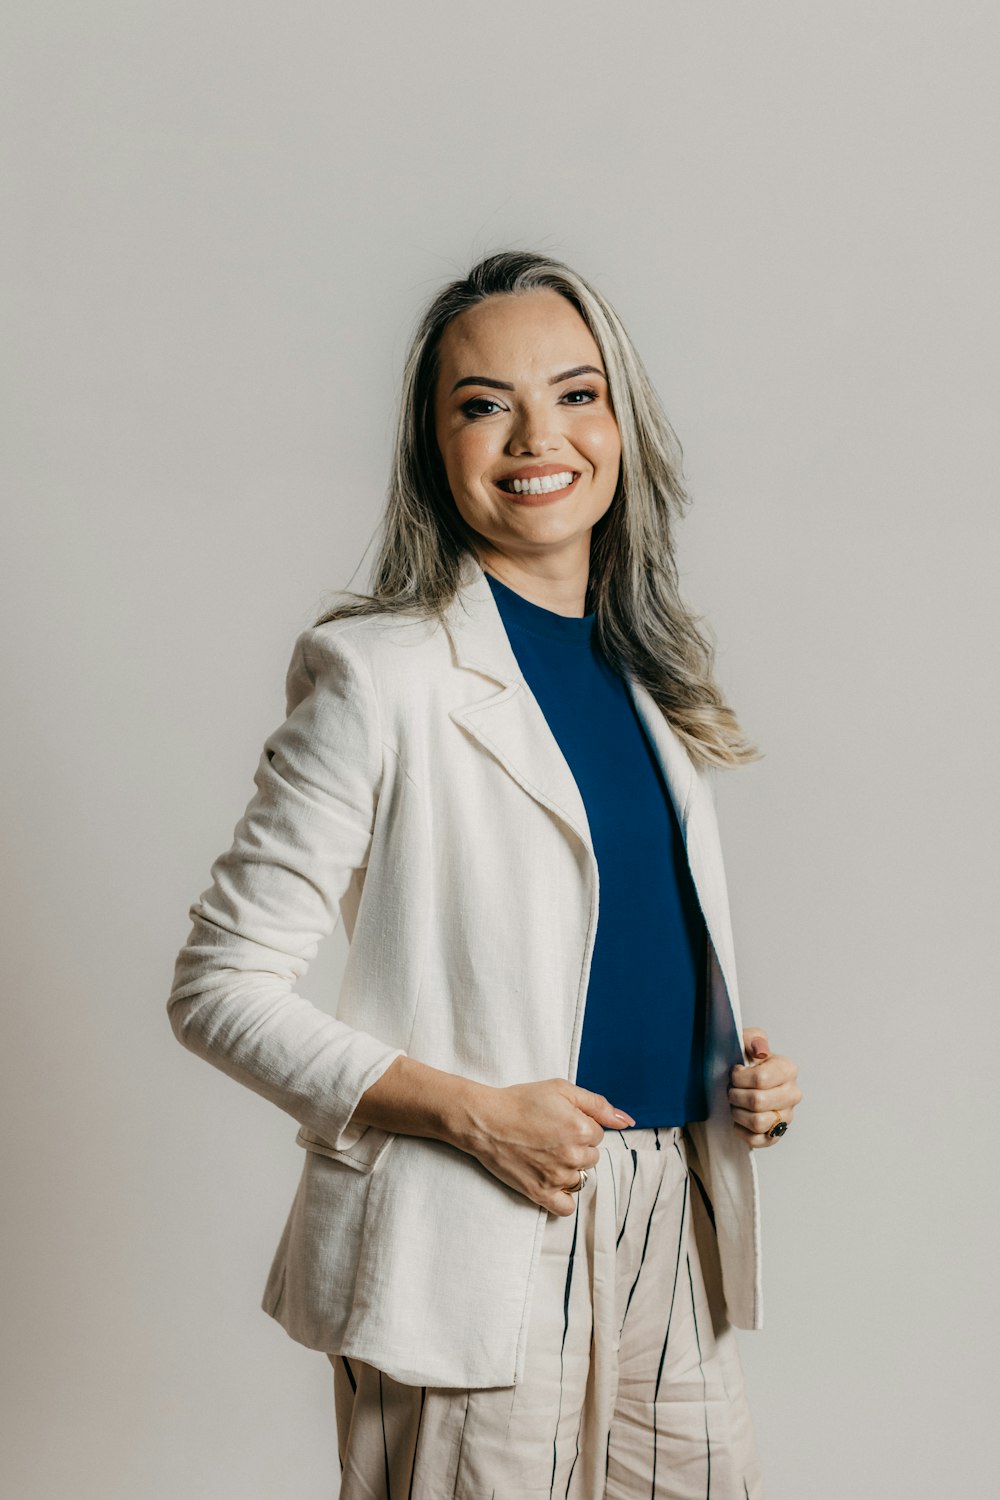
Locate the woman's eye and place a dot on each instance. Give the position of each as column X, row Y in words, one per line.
column 469, row 406
column 474, row 408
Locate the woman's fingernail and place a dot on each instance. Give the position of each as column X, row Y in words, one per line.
column 623, row 1116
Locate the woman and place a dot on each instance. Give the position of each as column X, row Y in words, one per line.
column 527, row 1221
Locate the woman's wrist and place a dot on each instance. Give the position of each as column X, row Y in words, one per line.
column 412, row 1098
column 465, row 1113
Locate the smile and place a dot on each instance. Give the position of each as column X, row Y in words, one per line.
column 549, row 484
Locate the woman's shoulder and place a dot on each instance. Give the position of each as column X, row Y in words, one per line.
column 392, row 648
column 374, row 634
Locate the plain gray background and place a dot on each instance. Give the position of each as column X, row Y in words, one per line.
column 220, row 221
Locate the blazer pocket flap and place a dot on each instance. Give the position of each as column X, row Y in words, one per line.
column 362, row 1153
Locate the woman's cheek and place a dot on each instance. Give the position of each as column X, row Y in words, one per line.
column 601, row 440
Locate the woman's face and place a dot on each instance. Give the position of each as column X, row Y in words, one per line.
column 522, row 392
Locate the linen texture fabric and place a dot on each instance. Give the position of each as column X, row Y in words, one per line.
column 415, row 792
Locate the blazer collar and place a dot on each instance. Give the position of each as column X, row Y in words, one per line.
column 511, row 726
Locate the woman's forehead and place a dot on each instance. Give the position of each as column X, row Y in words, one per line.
column 536, row 327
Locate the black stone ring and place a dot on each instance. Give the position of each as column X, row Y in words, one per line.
column 778, row 1128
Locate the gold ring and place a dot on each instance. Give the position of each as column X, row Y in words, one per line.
column 778, row 1128
column 580, row 1185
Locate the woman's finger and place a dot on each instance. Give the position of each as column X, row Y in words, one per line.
column 759, row 1122
column 764, row 1075
column 786, row 1096
column 758, row 1142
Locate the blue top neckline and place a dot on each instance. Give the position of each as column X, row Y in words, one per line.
column 524, row 614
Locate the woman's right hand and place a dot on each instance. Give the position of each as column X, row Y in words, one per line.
column 536, row 1136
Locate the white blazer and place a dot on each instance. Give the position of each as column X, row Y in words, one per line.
column 416, row 790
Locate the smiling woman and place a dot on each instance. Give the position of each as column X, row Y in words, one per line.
column 527, row 1224
column 541, row 350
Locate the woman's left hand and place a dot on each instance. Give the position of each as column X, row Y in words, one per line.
column 760, row 1089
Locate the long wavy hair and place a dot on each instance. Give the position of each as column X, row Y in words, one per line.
column 643, row 626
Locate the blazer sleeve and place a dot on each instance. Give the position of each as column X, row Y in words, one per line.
column 275, row 894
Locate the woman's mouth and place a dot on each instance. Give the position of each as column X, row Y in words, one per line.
column 537, row 491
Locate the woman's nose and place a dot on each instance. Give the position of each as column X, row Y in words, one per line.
column 534, row 429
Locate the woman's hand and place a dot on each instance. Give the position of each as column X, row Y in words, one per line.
column 760, row 1088
column 536, row 1136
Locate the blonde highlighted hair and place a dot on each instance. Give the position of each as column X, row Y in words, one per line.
column 643, row 626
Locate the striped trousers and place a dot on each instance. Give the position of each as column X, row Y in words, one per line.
column 632, row 1384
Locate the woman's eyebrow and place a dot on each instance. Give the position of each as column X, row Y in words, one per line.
column 504, row 385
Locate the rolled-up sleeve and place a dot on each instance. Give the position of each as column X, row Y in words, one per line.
column 275, row 894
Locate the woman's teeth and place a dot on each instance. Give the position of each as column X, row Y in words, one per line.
column 540, row 486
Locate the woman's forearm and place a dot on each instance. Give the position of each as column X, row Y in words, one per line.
column 412, row 1098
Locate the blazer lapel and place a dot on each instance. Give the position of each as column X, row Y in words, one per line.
column 692, row 798
column 509, row 724
column 675, row 763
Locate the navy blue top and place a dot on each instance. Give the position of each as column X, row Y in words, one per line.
column 642, row 1043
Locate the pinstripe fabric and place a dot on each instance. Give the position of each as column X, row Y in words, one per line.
column 632, row 1386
